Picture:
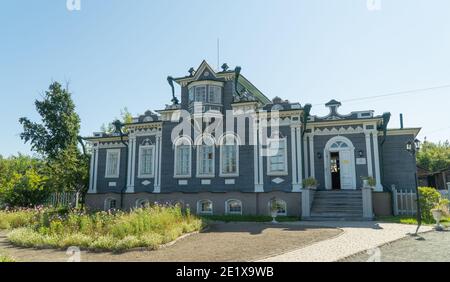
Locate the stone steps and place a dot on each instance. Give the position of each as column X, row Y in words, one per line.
column 337, row 206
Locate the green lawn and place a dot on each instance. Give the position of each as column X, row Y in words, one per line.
column 410, row 220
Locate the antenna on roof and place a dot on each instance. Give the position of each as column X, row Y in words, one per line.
column 218, row 54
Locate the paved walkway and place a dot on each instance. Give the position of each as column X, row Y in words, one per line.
column 434, row 247
column 357, row 237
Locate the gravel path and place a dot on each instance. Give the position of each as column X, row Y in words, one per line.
column 357, row 237
column 222, row 242
column 434, row 248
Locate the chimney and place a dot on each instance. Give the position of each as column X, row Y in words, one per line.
column 401, row 121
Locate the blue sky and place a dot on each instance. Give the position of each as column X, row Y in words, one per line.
column 118, row 54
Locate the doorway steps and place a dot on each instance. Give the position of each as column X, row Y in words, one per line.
column 337, row 205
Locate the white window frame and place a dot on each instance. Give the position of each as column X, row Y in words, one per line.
column 199, row 205
column 269, row 158
column 227, row 210
column 200, row 146
column 180, row 142
column 222, row 147
column 269, row 205
column 108, row 153
column 141, row 149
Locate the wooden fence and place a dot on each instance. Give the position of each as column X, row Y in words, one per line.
column 404, row 201
column 64, row 199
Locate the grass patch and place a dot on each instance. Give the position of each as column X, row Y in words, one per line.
column 249, row 218
column 411, row 220
column 105, row 231
column 4, row 258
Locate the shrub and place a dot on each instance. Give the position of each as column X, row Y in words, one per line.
column 148, row 227
column 310, row 182
column 429, row 197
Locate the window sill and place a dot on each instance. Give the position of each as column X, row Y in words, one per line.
column 145, row 176
column 111, row 177
column 281, row 173
column 182, row 176
column 229, row 175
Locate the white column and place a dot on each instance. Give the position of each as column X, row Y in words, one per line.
column 130, row 158
column 299, row 156
column 295, row 185
column 305, row 154
column 378, row 188
column 91, row 172
column 311, row 155
column 260, row 159
column 369, row 155
column 94, row 186
column 133, row 163
column 158, row 150
column 258, row 186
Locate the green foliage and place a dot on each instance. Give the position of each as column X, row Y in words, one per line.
column 60, row 123
column 434, row 156
column 429, row 197
column 310, row 182
column 5, row 258
column 148, row 227
column 56, row 139
column 125, row 117
column 22, row 181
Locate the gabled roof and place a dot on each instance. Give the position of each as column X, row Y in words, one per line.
column 229, row 74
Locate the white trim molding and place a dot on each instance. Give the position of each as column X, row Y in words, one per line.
column 376, row 154
column 327, row 160
column 199, row 204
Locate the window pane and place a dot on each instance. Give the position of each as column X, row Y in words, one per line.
column 234, row 207
column 111, row 163
column 200, row 94
column 277, row 157
column 206, row 159
column 146, row 161
column 183, row 160
column 214, row 94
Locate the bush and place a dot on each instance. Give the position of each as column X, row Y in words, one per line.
column 429, row 197
column 148, row 227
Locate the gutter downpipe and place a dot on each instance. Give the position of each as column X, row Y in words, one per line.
column 118, row 125
column 306, row 115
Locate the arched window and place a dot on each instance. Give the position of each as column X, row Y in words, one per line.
column 279, row 206
column 229, row 156
column 233, row 207
column 183, row 156
column 205, row 156
column 142, row 203
column 110, row 204
column 204, row 207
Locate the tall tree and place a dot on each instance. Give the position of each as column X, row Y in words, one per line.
column 60, row 123
column 434, row 156
column 56, row 139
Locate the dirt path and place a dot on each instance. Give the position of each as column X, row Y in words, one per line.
column 222, row 242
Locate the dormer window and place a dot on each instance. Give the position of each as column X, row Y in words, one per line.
column 215, row 94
